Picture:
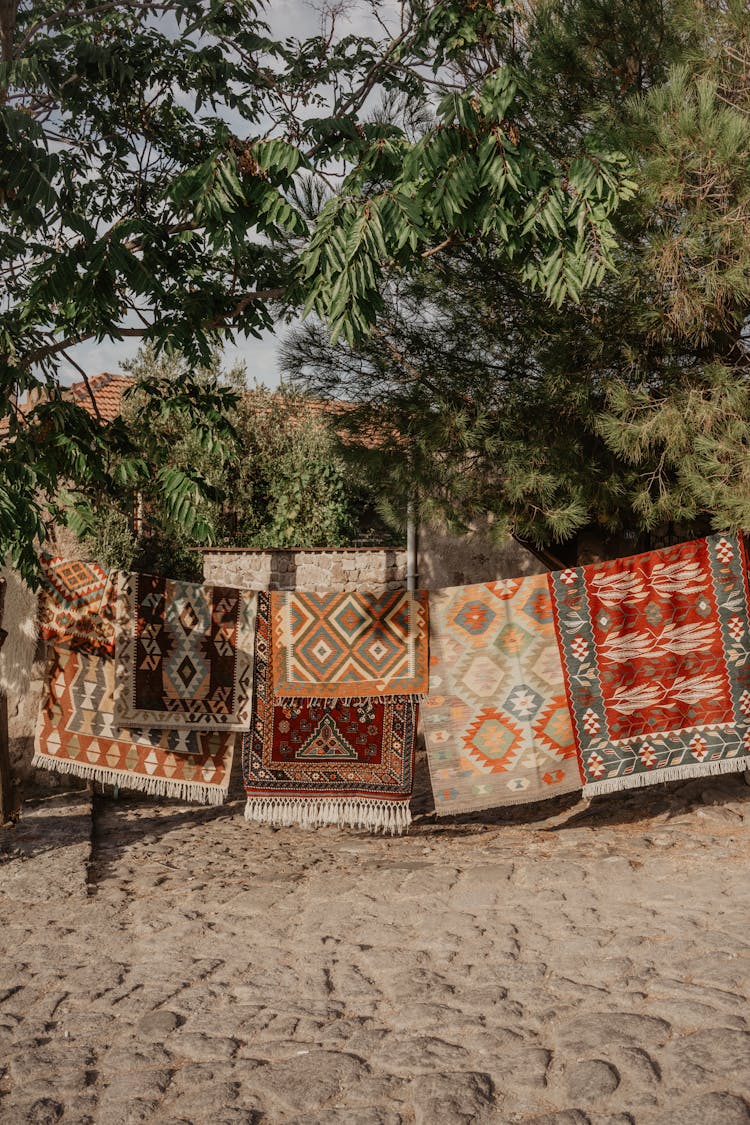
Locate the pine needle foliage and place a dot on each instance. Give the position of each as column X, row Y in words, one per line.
column 627, row 409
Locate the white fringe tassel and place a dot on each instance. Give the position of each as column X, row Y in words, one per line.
column 330, row 704
column 669, row 773
column 312, row 812
column 158, row 786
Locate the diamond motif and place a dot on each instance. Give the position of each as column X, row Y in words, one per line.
column 595, row 765
column 736, row 628
column 590, row 722
column 568, row 577
column 724, row 551
column 553, row 728
column 188, row 618
column 553, row 777
column 647, row 756
column 523, row 702
column 475, row 617
column 539, row 607
column 322, row 650
column 351, row 619
column 698, row 747
column 510, row 639
column 580, row 647
column 482, row 676
column 378, row 651
column 495, row 740
column 187, row 671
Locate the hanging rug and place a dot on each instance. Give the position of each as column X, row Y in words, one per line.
column 310, row 762
column 184, row 654
column 78, row 603
column 496, row 720
column 656, row 654
column 76, row 734
column 349, row 645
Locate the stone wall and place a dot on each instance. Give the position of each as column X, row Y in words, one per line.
column 347, row 568
column 444, row 560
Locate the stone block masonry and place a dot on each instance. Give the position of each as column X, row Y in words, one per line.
column 341, row 568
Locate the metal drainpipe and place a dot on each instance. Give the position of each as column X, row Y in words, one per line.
column 412, row 571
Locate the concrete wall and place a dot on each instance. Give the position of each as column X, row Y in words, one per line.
column 348, row 568
column 451, row 560
column 22, row 668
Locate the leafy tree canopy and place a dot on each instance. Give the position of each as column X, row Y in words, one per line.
column 632, row 407
column 275, row 479
column 170, row 171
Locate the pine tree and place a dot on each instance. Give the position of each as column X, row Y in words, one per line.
column 631, row 408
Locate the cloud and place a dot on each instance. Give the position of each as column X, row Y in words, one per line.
column 259, row 356
column 287, row 18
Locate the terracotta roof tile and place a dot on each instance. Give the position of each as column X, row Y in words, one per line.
column 107, row 389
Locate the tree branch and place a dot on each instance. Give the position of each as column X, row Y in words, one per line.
column 85, row 377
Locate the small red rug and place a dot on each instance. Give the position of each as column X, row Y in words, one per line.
column 313, row 762
column 78, row 603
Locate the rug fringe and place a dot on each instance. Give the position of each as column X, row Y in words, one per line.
column 669, row 773
column 157, row 786
column 393, row 817
column 329, row 704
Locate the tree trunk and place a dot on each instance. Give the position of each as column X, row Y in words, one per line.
column 6, row 783
column 8, row 11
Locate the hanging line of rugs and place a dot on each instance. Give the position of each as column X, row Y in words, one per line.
column 592, row 679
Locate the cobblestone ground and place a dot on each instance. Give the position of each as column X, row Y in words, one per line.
column 168, row 964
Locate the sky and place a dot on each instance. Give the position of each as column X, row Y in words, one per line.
column 299, row 18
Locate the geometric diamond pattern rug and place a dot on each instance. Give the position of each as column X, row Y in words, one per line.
column 76, row 734
column 346, row 645
column 496, row 720
column 77, row 603
column 656, row 654
column 313, row 762
column 184, row 654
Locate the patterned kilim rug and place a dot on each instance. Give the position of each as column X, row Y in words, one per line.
column 657, row 659
column 312, row 762
column 344, row 646
column 78, row 603
column 76, row 733
column 184, row 654
column 496, row 720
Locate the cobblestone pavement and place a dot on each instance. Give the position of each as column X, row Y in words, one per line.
column 167, row 964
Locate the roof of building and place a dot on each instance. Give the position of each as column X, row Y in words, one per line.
column 107, row 390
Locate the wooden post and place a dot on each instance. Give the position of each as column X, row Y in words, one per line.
column 6, row 782
column 412, row 562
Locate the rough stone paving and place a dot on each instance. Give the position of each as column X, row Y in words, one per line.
column 590, row 968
